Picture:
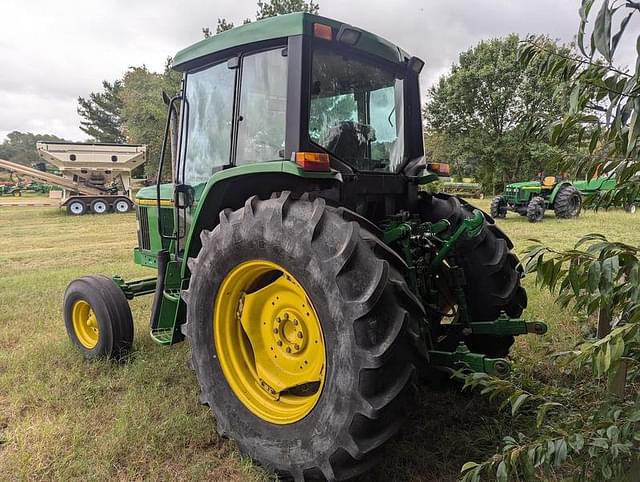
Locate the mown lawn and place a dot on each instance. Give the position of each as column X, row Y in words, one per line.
column 63, row 418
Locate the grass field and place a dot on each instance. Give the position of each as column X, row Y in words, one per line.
column 63, row 418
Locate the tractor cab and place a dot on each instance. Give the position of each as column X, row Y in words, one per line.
column 297, row 94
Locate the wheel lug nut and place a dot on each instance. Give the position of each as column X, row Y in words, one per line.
column 275, row 330
column 288, row 350
column 279, row 343
column 278, row 320
column 296, row 346
column 300, row 334
column 286, row 316
column 295, row 322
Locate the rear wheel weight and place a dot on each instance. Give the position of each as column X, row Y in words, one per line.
column 365, row 312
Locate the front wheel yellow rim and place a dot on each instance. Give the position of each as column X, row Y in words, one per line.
column 269, row 341
column 85, row 324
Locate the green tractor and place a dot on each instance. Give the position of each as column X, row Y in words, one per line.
column 532, row 198
column 296, row 252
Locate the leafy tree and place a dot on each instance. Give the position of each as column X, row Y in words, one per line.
column 271, row 8
column 484, row 110
column 20, row 147
column 143, row 111
column 266, row 9
column 101, row 114
column 597, row 432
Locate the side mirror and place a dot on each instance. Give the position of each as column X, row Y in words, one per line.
column 184, row 196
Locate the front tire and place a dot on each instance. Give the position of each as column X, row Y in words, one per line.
column 98, row 318
column 498, row 207
column 367, row 317
column 535, row 209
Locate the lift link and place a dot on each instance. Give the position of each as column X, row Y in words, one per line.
column 507, row 326
column 462, row 358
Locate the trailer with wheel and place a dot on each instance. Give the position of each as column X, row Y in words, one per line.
column 94, row 177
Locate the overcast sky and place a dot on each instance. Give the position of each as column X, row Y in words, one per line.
column 54, row 51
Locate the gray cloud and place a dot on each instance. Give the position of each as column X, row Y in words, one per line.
column 53, row 52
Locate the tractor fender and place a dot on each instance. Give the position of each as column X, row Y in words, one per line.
column 556, row 190
column 230, row 188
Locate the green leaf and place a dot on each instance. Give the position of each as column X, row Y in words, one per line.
column 515, row 405
column 618, row 35
column 594, row 277
column 601, row 35
column 501, row 474
column 468, row 466
column 561, row 452
column 584, row 15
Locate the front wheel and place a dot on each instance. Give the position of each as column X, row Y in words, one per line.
column 498, row 208
column 98, row 318
column 535, row 209
column 301, row 330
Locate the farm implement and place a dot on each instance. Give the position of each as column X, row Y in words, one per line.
column 296, row 253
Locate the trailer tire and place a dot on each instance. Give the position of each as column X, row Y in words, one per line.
column 492, row 272
column 76, row 207
column 365, row 311
column 99, row 206
column 535, row 209
column 98, row 318
column 630, row 208
column 568, row 202
column 121, row 205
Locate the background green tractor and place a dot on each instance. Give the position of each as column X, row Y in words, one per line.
column 297, row 254
column 532, row 198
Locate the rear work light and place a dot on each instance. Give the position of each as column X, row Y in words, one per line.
column 322, row 31
column 439, row 168
column 312, row 161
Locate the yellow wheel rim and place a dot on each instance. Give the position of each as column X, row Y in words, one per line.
column 269, row 342
column 85, row 324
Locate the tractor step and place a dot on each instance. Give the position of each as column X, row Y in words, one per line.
column 162, row 336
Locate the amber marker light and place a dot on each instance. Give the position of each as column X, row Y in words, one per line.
column 312, row 161
column 322, row 31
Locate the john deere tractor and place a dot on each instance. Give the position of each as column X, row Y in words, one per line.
column 297, row 254
column 532, row 198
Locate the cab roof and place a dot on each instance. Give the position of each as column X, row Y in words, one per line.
column 282, row 26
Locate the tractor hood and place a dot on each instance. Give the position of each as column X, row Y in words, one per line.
column 149, row 193
column 524, row 184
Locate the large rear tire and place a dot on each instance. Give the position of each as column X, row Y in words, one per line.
column 367, row 318
column 492, row 272
column 568, row 202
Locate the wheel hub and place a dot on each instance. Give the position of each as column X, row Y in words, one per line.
column 269, row 341
column 85, row 324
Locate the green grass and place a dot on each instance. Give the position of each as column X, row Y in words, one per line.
column 63, row 418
